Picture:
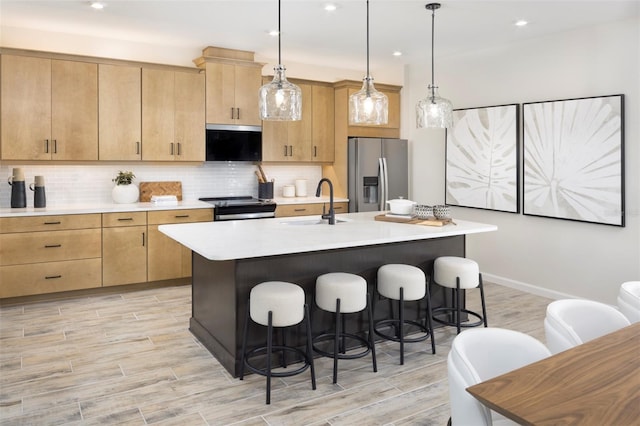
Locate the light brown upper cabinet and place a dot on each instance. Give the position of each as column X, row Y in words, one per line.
column 49, row 109
column 173, row 115
column 289, row 140
column 308, row 140
column 120, row 112
column 232, row 83
column 344, row 89
column 323, row 123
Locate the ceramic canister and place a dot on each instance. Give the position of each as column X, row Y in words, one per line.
column 18, row 190
column 39, row 197
column 301, row 187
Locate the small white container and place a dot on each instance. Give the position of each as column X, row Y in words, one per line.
column 288, row 191
column 301, row 187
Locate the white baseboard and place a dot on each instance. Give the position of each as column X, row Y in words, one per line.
column 528, row 288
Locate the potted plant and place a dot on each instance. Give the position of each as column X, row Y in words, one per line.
column 125, row 191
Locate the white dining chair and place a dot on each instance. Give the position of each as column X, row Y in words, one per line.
column 629, row 300
column 571, row 322
column 480, row 354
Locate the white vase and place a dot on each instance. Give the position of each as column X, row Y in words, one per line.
column 125, row 194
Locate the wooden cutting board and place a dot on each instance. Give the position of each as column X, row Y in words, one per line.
column 415, row 221
column 148, row 189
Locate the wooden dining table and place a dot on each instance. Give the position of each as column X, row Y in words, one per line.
column 596, row 383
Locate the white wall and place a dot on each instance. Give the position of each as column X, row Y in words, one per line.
column 548, row 256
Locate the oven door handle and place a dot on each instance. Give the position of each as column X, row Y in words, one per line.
column 236, row 216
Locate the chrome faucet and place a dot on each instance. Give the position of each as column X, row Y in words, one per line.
column 332, row 214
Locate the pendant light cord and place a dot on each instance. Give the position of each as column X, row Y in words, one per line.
column 368, row 74
column 433, row 20
column 279, row 37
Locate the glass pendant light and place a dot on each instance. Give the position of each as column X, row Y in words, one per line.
column 433, row 111
column 280, row 100
column 368, row 106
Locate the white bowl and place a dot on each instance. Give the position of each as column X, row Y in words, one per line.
column 401, row 206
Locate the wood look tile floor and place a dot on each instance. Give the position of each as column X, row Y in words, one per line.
column 129, row 359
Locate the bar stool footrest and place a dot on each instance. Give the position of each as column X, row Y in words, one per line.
column 395, row 323
column 453, row 312
column 263, row 349
column 330, row 336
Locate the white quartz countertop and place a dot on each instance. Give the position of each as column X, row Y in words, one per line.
column 101, row 208
column 228, row 240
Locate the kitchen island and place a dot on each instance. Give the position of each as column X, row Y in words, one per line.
column 229, row 258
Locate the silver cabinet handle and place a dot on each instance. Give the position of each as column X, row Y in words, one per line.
column 55, row 146
column 285, row 151
column 46, row 146
column 179, row 150
column 138, row 148
column 123, row 219
column 53, row 223
column 143, row 239
column 52, row 277
column 171, row 148
column 290, row 150
column 53, row 245
column 232, row 111
column 238, row 113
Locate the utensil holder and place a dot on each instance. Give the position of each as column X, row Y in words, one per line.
column 265, row 191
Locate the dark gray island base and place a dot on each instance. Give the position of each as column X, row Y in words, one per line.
column 221, row 289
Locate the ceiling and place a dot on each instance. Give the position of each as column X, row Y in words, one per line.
column 310, row 35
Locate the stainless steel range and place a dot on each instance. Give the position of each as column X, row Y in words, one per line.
column 241, row 208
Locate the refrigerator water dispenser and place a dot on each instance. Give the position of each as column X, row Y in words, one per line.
column 370, row 189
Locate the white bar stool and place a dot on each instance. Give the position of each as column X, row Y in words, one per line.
column 276, row 304
column 629, row 300
column 404, row 283
column 459, row 273
column 344, row 293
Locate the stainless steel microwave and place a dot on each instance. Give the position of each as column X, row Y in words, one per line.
column 233, row 143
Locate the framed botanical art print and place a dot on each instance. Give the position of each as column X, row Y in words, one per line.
column 573, row 162
column 482, row 164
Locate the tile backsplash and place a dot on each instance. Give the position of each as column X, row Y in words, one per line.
column 81, row 184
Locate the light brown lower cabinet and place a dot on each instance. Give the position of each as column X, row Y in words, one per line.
column 47, row 254
column 310, row 209
column 124, row 248
column 49, row 277
column 166, row 258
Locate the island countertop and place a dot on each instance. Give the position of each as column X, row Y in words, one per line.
column 245, row 239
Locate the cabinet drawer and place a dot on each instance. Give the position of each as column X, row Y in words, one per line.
column 299, row 209
column 180, row 216
column 49, row 223
column 110, row 220
column 50, row 277
column 50, row 246
column 310, row 209
column 339, row 207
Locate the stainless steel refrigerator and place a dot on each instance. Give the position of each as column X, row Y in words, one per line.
column 378, row 171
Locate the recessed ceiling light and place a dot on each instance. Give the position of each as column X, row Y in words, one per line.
column 273, row 33
column 330, row 7
column 521, row 23
column 397, row 53
column 97, row 5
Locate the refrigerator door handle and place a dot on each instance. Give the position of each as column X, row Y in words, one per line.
column 386, row 181
column 381, row 184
